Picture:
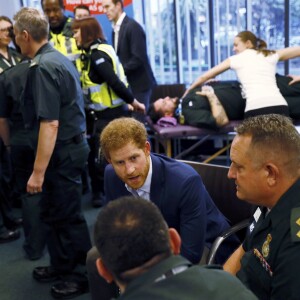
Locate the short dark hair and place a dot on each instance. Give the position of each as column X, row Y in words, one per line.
column 273, row 136
column 153, row 114
column 118, row 1
column 60, row 2
column 90, row 29
column 81, row 6
column 128, row 233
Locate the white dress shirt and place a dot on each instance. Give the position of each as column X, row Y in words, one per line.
column 116, row 28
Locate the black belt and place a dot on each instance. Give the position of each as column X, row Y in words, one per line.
column 74, row 140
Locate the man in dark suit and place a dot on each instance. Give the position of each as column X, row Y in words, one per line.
column 176, row 188
column 129, row 41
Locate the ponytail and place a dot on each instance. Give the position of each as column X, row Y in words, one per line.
column 261, row 47
column 258, row 44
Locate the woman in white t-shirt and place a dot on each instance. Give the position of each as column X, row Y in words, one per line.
column 255, row 66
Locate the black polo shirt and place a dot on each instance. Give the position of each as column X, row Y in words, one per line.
column 53, row 90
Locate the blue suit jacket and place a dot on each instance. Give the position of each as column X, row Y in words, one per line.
column 132, row 51
column 178, row 191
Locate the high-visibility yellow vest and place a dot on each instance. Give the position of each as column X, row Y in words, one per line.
column 66, row 44
column 101, row 96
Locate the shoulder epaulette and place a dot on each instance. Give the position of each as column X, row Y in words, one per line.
column 35, row 61
column 295, row 224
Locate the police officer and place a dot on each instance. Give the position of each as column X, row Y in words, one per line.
column 53, row 103
column 105, row 87
column 61, row 35
column 22, row 144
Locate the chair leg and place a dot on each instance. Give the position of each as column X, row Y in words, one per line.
column 217, row 154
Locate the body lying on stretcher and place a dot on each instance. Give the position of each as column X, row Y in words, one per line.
column 215, row 104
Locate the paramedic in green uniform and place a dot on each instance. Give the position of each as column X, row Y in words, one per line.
column 53, row 102
column 266, row 168
column 22, row 145
column 141, row 255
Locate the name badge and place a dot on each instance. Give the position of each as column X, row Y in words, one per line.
column 257, row 214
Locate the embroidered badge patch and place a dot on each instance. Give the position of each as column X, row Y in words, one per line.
column 295, row 224
column 266, row 246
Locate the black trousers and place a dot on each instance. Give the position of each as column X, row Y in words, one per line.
column 68, row 238
column 6, row 213
column 23, row 157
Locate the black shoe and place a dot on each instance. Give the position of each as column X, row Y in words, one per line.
column 98, row 199
column 45, row 274
column 13, row 224
column 69, row 289
column 9, row 236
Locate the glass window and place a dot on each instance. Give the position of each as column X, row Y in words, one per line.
column 178, row 38
column 294, row 64
column 187, row 37
column 193, row 38
column 159, row 25
column 268, row 24
column 229, row 19
column 162, row 39
column 32, row 3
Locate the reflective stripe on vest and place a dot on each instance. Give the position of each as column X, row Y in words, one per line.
column 102, row 96
column 66, row 45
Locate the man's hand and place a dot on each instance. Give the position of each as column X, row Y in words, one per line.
column 138, row 106
column 35, row 183
column 206, row 90
column 46, row 143
column 217, row 108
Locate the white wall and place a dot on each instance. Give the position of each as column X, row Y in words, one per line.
column 9, row 7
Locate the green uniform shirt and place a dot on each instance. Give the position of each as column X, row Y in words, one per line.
column 194, row 282
column 270, row 266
